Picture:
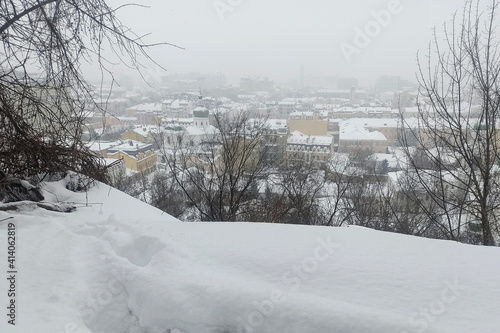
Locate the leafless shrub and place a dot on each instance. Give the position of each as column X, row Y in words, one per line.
column 43, row 94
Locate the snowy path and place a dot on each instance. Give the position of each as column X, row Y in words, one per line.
column 122, row 266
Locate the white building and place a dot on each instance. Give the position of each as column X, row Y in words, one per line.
column 354, row 137
column 310, row 148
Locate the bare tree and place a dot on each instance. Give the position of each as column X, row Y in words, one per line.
column 217, row 173
column 43, row 93
column 166, row 194
column 346, row 174
column 302, row 186
column 410, row 210
column 459, row 109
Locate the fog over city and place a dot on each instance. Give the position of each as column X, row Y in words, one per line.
column 363, row 39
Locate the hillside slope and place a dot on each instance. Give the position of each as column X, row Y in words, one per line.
column 119, row 265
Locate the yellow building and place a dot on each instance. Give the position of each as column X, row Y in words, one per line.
column 352, row 138
column 307, row 123
column 135, row 135
column 144, row 134
column 136, row 155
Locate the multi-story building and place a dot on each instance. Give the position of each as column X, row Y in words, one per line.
column 136, row 155
column 274, row 139
column 390, row 127
column 144, row 134
column 176, row 108
column 353, row 137
column 315, row 149
column 308, row 123
column 147, row 114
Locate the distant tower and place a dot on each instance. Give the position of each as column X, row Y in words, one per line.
column 301, row 81
column 352, row 95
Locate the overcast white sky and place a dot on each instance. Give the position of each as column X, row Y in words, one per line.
column 272, row 38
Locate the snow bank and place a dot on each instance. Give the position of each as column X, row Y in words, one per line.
column 118, row 265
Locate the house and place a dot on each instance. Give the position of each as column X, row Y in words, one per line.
column 308, row 123
column 309, row 148
column 136, row 155
column 274, row 139
column 195, row 129
column 286, row 107
column 136, row 135
column 177, row 108
column 353, row 137
column 128, row 121
column 144, row 134
column 100, row 148
column 146, row 114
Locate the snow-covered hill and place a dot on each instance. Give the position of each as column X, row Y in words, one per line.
column 119, row 265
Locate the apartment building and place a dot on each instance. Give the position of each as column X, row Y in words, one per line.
column 310, row 148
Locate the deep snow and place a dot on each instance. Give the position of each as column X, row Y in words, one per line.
column 119, row 265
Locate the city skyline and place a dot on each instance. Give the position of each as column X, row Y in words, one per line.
column 365, row 40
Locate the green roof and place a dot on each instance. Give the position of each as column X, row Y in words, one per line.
column 200, row 114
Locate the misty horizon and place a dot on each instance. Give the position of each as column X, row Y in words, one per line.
column 362, row 40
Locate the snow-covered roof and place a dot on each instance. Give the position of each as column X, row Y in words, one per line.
column 391, row 159
column 131, row 145
column 177, row 120
column 378, row 123
column 301, row 113
column 371, row 122
column 200, row 109
column 300, row 138
column 366, row 109
column 101, row 145
column 358, row 133
column 144, row 130
column 147, row 107
column 127, row 118
column 273, row 123
column 109, row 161
column 177, row 104
column 276, row 123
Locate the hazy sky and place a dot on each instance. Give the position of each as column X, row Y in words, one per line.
column 272, row 38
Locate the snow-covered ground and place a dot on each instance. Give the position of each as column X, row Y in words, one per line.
column 119, row 265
